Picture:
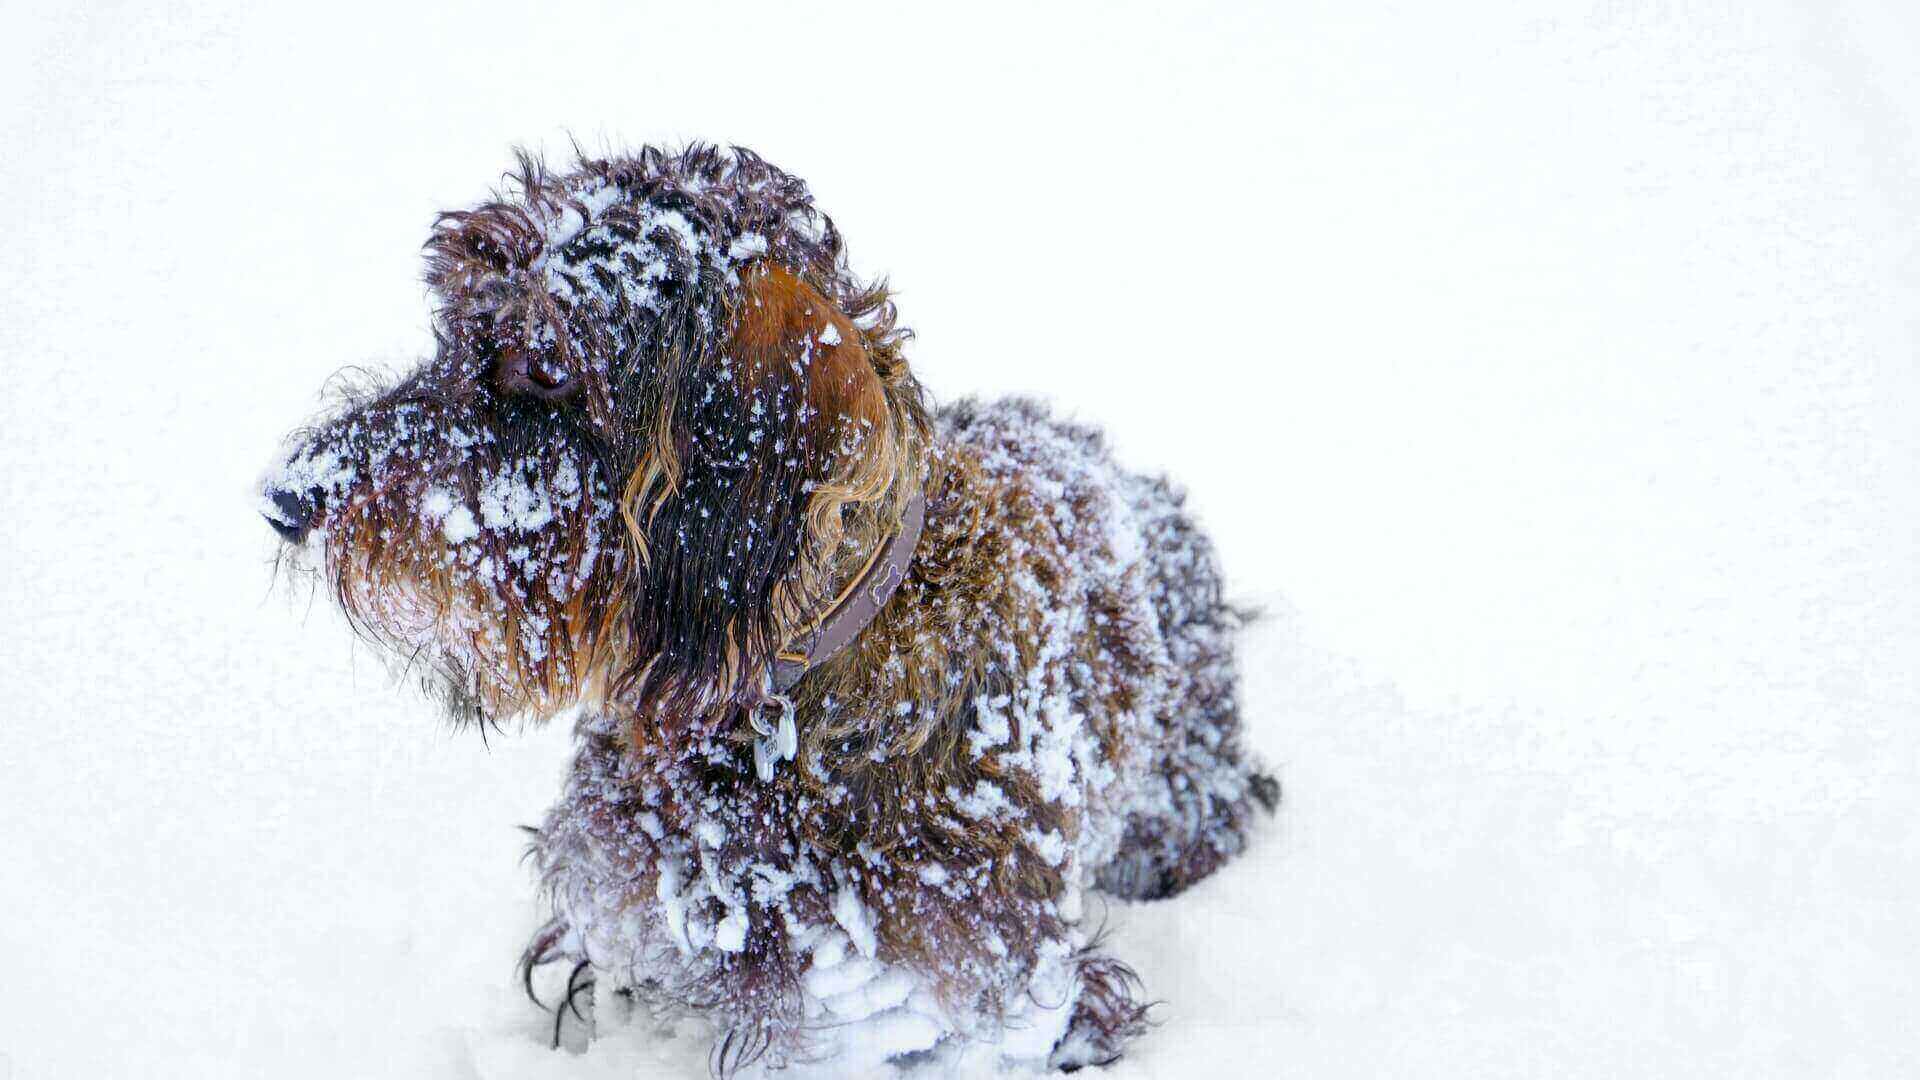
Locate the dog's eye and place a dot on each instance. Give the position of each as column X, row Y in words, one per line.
column 545, row 374
column 535, row 373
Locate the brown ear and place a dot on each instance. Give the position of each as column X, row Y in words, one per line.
column 778, row 458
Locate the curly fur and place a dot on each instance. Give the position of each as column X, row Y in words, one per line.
column 663, row 423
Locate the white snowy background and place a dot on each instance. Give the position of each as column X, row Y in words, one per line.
column 1551, row 373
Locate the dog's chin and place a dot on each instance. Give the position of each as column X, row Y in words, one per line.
column 452, row 652
column 303, row 559
column 470, row 696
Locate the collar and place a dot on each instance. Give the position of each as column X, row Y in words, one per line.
column 856, row 605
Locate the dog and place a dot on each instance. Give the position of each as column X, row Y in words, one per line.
column 868, row 696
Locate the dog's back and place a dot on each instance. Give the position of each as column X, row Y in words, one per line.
column 1182, row 807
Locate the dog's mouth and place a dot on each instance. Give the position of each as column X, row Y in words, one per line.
column 488, row 561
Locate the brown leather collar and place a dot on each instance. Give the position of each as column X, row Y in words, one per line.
column 856, row 605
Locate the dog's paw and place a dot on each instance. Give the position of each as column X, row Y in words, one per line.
column 1107, row 1016
column 549, row 947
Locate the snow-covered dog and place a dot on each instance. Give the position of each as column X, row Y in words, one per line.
column 867, row 696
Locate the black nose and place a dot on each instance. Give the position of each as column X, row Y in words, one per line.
column 291, row 516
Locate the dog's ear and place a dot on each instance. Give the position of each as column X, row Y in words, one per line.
column 784, row 453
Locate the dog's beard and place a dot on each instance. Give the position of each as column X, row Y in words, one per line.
column 402, row 634
column 461, row 654
column 490, row 577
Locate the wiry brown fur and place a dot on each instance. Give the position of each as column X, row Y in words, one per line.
column 664, row 425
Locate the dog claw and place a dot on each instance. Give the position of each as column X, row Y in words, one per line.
column 571, row 1003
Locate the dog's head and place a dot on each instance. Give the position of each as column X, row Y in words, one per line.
column 661, row 419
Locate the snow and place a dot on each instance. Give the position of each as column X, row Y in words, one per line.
column 1545, row 373
column 853, row 917
column 519, row 501
column 459, row 525
column 747, row 247
column 673, row 901
column 731, row 933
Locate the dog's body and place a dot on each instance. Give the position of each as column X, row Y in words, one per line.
column 1048, row 701
column 665, row 426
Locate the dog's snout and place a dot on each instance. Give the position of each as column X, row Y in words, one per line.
column 290, row 514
